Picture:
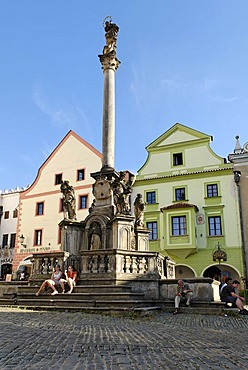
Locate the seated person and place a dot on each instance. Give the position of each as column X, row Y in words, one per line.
column 184, row 293
column 71, row 279
column 53, row 282
column 229, row 295
column 227, row 282
column 222, row 282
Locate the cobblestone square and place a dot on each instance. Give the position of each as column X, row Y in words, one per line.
column 64, row 340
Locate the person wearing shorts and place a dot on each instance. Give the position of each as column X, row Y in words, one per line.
column 228, row 294
column 53, row 282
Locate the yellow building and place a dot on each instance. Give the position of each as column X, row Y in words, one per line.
column 40, row 207
column 192, row 205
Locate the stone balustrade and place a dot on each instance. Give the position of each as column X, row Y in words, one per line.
column 43, row 263
column 121, row 262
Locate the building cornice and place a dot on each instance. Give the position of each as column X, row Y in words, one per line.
column 230, row 169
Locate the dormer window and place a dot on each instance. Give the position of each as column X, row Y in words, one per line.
column 177, row 159
column 80, row 175
column 58, row 179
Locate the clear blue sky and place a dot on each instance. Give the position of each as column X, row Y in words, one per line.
column 181, row 61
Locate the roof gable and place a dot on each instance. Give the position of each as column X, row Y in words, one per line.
column 178, row 133
column 193, row 147
column 71, row 151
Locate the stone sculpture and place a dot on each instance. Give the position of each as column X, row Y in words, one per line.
column 139, row 207
column 95, row 236
column 121, row 192
column 111, row 30
column 69, row 200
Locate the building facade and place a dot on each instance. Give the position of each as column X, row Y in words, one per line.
column 9, row 205
column 191, row 205
column 239, row 158
column 41, row 205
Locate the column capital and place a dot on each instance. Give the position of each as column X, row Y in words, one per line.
column 109, row 61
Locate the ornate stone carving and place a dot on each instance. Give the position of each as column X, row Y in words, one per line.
column 111, row 33
column 101, row 189
column 121, row 191
column 108, row 58
column 69, row 200
column 95, row 234
column 139, row 207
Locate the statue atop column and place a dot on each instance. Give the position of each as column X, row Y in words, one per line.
column 108, row 57
column 111, row 34
column 69, row 200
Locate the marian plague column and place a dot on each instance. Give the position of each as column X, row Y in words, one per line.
column 109, row 65
column 114, row 243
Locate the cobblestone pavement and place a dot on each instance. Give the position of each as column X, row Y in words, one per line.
column 64, row 340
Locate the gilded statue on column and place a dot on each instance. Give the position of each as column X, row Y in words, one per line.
column 111, row 33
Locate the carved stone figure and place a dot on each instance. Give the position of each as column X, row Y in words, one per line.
column 95, row 235
column 139, row 207
column 93, row 204
column 69, row 200
column 121, row 193
column 111, row 30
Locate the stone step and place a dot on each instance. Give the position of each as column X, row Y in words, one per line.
column 47, row 302
column 75, row 304
column 7, row 301
column 92, row 309
column 82, row 289
column 82, row 296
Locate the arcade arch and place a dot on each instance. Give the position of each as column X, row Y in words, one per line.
column 217, row 271
column 184, row 272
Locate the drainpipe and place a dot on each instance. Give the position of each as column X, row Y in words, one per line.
column 237, row 175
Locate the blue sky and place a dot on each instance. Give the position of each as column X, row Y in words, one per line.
column 181, row 61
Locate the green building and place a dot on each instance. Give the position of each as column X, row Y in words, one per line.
column 191, row 205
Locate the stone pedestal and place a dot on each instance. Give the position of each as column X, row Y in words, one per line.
column 71, row 236
column 123, row 232
column 142, row 238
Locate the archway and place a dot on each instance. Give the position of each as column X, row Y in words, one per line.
column 184, row 272
column 6, row 269
column 218, row 271
column 25, row 267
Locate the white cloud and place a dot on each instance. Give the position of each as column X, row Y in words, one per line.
column 65, row 116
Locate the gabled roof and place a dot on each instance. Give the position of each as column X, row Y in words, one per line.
column 178, row 132
column 79, row 138
column 49, row 158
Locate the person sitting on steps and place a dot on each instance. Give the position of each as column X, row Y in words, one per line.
column 71, row 279
column 184, row 293
column 53, row 282
column 229, row 295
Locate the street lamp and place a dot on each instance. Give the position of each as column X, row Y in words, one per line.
column 22, row 239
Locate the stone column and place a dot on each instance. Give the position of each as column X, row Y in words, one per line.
column 109, row 65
